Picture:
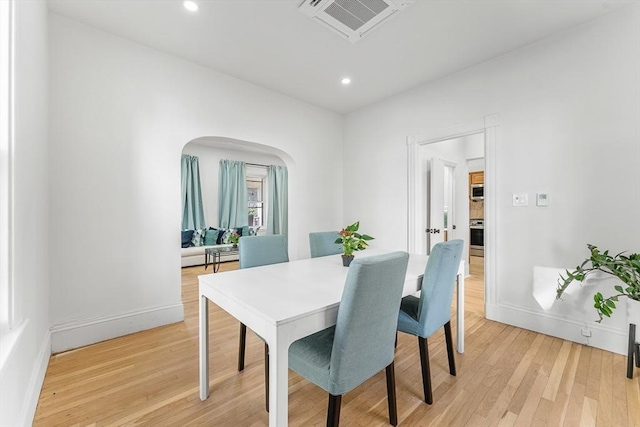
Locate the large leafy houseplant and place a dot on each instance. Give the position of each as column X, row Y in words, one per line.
column 351, row 240
column 625, row 268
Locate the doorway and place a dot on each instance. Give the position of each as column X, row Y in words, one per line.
column 479, row 271
column 453, row 167
column 209, row 151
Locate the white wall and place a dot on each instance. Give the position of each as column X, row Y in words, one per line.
column 23, row 373
column 209, row 162
column 568, row 124
column 121, row 114
column 476, row 165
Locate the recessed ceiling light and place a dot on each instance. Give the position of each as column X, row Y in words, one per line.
column 190, row 5
column 345, row 81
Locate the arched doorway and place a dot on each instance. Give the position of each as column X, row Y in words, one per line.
column 210, row 151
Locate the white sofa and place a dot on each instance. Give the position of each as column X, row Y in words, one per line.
column 194, row 255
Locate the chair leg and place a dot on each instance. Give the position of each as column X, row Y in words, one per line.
column 391, row 395
column 450, row 354
column 333, row 412
column 266, row 374
column 241, row 346
column 426, row 370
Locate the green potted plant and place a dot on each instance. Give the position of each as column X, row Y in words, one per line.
column 351, row 241
column 234, row 238
column 625, row 268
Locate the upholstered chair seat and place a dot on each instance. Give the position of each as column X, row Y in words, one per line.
column 425, row 315
column 361, row 344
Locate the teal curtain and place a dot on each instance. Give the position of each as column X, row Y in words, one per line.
column 278, row 202
column 232, row 194
column 192, row 210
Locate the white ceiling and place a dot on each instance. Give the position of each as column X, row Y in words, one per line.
column 270, row 43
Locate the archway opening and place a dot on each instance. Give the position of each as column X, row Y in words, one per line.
column 209, row 151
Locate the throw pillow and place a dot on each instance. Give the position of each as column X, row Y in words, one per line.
column 198, row 237
column 226, row 236
column 211, row 237
column 220, row 234
column 249, row 231
column 186, row 238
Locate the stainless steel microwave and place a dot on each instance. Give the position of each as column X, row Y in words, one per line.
column 477, row 192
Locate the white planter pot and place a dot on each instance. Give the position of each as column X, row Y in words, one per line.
column 633, row 315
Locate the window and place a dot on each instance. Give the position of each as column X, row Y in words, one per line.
column 255, row 193
column 6, row 143
column 9, row 332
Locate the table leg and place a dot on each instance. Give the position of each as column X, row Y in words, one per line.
column 204, row 348
column 460, row 310
column 216, row 262
column 279, row 383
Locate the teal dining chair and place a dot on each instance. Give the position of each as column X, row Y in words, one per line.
column 255, row 251
column 425, row 315
column 361, row 344
column 323, row 243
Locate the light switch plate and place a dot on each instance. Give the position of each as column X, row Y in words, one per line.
column 520, row 199
column 542, row 199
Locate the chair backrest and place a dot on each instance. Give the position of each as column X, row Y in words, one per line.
column 436, row 295
column 367, row 320
column 322, row 243
column 255, row 251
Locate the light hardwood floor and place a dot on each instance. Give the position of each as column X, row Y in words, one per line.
column 507, row 376
column 474, row 286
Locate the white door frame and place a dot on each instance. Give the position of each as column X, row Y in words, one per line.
column 416, row 195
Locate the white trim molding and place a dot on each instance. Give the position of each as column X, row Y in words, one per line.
column 7, row 141
column 90, row 331
column 25, row 406
column 602, row 337
column 9, row 341
column 35, row 382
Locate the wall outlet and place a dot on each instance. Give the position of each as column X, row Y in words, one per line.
column 586, row 332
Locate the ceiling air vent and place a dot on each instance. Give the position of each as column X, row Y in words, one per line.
column 352, row 19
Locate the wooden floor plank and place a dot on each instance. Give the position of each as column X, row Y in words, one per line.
column 556, row 372
column 589, row 412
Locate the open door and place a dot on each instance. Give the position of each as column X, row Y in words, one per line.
column 435, row 220
column 440, row 199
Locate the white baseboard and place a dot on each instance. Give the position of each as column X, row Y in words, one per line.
column 35, row 382
column 602, row 337
column 90, row 331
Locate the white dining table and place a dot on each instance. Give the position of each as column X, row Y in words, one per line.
column 285, row 302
